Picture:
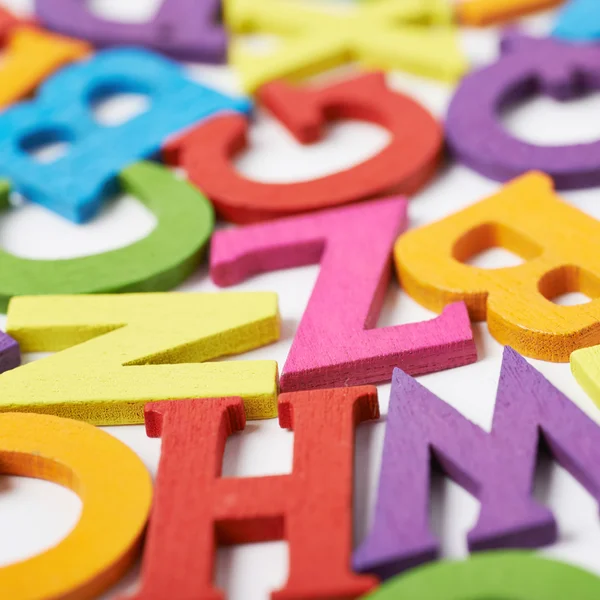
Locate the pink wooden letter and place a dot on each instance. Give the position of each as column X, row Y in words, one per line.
column 335, row 344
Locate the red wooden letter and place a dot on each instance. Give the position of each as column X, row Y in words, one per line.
column 195, row 508
column 404, row 165
column 7, row 23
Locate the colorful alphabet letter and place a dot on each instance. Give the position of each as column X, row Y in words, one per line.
column 558, row 243
column 496, row 467
column 159, row 262
column 120, row 352
column 8, row 22
column 384, row 34
column 115, row 489
column 10, row 353
column 185, row 29
column 75, row 184
column 404, row 165
column 508, row 575
column 578, row 21
column 492, row 12
column 311, row 508
column 31, row 55
column 585, row 366
column 527, row 66
column 337, row 342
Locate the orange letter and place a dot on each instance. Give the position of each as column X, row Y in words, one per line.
column 559, row 244
column 31, row 56
column 114, row 487
column 490, row 12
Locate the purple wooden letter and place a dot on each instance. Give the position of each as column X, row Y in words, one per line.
column 335, row 344
column 10, row 353
column 497, row 467
column 184, row 29
column 527, row 66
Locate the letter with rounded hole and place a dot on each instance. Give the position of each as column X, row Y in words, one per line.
column 159, row 262
column 184, row 29
column 407, row 162
column 559, row 244
column 75, row 184
column 115, row 489
column 514, row 575
column 526, row 67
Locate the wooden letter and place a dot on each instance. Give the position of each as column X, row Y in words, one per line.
column 10, row 353
column 405, row 164
column 115, row 490
column 336, row 344
column 74, row 185
column 120, row 352
column 8, row 22
column 578, row 21
column 496, row 467
column 492, row 12
column 585, row 366
column 311, row 508
column 386, row 34
column 159, row 262
column 185, row 29
column 507, row 575
column 31, row 55
column 559, row 244
column 474, row 129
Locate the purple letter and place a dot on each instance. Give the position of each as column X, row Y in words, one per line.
column 184, row 29
column 497, row 467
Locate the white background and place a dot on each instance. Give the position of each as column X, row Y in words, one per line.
column 35, row 515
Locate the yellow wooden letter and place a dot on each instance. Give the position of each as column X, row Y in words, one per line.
column 414, row 35
column 559, row 244
column 119, row 352
column 31, row 56
column 115, row 490
column 585, row 366
column 491, row 12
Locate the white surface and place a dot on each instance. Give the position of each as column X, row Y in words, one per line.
column 35, row 515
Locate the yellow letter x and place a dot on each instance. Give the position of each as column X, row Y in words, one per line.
column 384, row 34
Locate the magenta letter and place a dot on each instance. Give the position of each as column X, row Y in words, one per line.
column 335, row 344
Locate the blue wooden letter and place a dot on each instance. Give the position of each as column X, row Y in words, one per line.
column 75, row 184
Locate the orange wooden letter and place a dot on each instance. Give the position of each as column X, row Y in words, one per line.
column 559, row 244
column 31, row 56
column 115, row 490
column 492, row 12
